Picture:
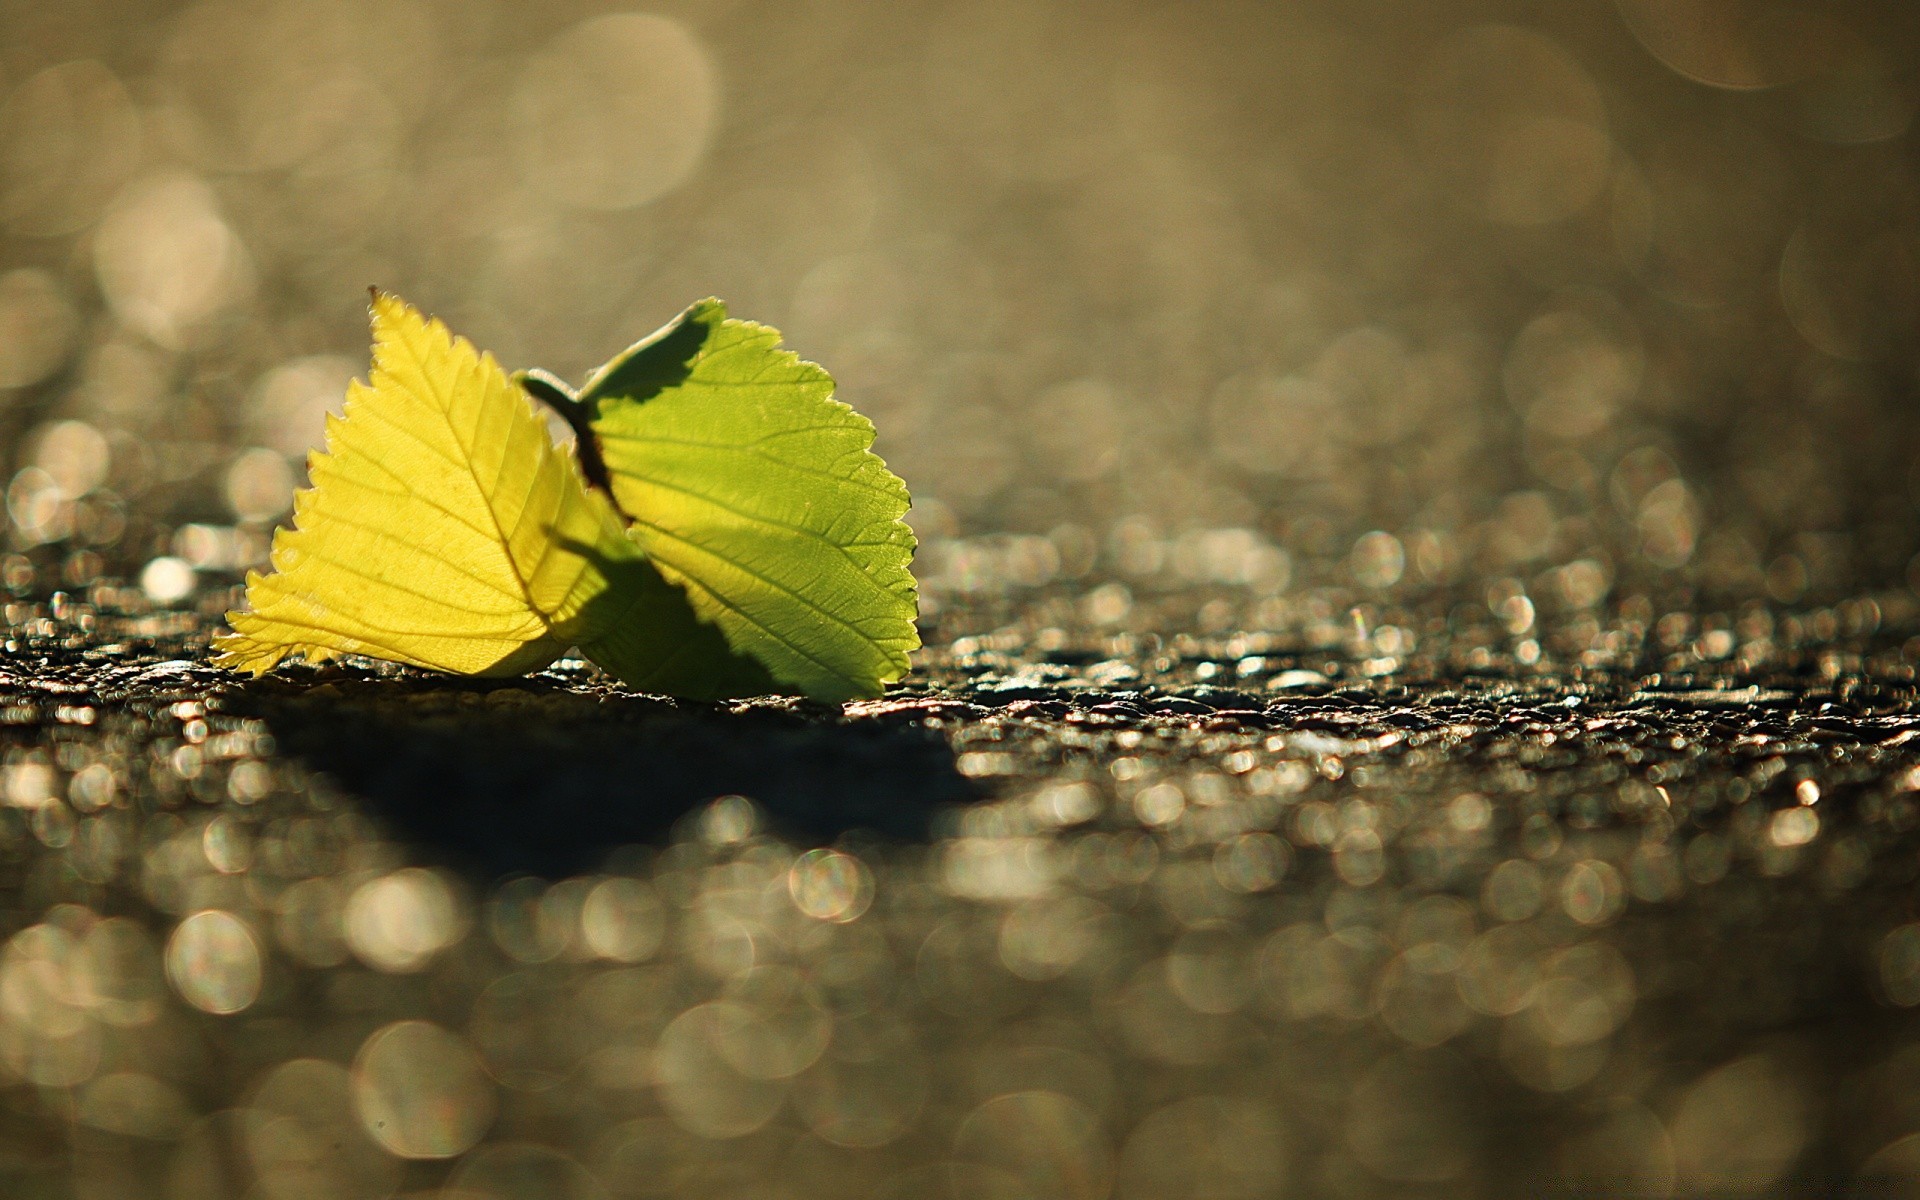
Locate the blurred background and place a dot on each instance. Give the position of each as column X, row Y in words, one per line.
column 1579, row 295
column 1336, row 338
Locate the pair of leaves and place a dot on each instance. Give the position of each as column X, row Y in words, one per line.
column 732, row 532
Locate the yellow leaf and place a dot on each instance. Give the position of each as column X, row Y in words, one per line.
column 443, row 528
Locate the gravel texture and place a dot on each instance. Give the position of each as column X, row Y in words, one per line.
column 1075, row 913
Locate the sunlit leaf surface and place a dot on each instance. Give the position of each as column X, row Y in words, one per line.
column 443, row 528
column 756, row 491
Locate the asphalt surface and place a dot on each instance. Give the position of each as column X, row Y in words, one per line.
column 1623, row 907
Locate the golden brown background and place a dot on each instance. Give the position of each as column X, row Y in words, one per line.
column 1507, row 809
column 1213, row 289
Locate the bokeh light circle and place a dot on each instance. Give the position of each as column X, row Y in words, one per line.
column 213, row 961
column 421, row 1091
column 616, row 111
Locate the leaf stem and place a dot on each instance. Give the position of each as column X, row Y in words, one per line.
column 556, row 395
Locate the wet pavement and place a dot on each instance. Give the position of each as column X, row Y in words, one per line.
column 1363, row 904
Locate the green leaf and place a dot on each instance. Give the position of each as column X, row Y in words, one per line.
column 443, row 528
column 756, row 492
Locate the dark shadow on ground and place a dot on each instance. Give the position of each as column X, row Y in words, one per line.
column 529, row 775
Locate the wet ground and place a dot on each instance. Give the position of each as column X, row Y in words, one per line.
column 1623, row 906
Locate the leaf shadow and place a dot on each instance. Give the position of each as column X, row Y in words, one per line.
column 545, row 776
column 661, row 360
column 654, row 640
